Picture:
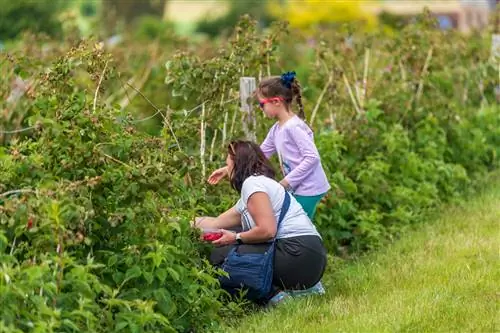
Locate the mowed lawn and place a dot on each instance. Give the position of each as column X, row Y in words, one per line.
column 444, row 277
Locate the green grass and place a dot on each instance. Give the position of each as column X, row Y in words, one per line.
column 443, row 277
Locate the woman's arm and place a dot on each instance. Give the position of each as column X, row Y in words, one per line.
column 260, row 208
column 230, row 218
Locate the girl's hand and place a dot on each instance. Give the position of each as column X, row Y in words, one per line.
column 217, row 175
column 285, row 184
column 228, row 238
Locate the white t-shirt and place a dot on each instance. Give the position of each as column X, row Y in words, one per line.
column 295, row 223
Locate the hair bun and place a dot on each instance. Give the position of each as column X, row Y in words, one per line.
column 288, row 78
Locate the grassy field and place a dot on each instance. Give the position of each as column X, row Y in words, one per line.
column 444, row 277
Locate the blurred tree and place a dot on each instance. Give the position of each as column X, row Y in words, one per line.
column 37, row 16
column 308, row 14
column 124, row 12
column 256, row 8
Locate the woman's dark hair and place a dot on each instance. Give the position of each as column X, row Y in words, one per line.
column 249, row 160
column 289, row 89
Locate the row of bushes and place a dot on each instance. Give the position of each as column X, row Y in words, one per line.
column 95, row 212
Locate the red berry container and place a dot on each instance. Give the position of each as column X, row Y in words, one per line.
column 210, row 235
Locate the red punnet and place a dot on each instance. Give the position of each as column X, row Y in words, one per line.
column 211, row 234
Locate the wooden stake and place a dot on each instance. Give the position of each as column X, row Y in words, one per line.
column 247, row 89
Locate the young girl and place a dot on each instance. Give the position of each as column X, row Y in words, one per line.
column 292, row 140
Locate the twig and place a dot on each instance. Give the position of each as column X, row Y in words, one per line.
column 143, row 96
column 224, row 127
column 99, row 84
column 116, row 160
column 13, row 245
column 128, row 99
column 147, row 118
column 158, row 111
column 333, row 120
column 403, row 71
column 167, row 122
column 268, row 65
column 356, row 81
column 18, row 130
column 353, row 99
column 199, row 106
column 202, row 144
column 26, row 190
column 424, row 72
column 365, row 77
column 191, row 111
column 212, row 146
column 232, row 123
column 320, row 98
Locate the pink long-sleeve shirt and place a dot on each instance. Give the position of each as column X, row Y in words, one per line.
column 294, row 141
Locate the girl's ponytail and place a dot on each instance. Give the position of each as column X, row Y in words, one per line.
column 297, row 95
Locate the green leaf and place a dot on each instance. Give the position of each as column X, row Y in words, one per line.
column 120, row 326
column 148, row 276
column 175, row 275
column 133, row 273
column 161, row 274
column 112, row 261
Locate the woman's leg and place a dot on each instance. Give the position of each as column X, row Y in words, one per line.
column 309, row 203
column 219, row 254
column 299, row 262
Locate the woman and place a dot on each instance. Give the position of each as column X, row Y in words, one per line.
column 300, row 258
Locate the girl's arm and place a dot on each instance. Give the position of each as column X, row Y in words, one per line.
column 268, row 147
column 309, row 154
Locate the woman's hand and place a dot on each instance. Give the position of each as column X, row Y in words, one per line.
column 217, row 175
column 228, row 238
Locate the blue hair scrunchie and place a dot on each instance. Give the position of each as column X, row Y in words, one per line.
column 287, row 79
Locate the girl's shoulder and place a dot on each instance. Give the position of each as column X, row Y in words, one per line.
column 295, row 124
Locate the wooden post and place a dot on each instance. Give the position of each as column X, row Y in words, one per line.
column 247, row 88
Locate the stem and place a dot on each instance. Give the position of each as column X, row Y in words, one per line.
column 169, row 125
column 99, row 84
column 202, row 143
column 13, row 245
column 320, row 98
column 353, row 99
column 128, row 99
column 224, row 127
column 116, row 160
column 365, row 77
column 18, row 130
column 158, row 111
column 212, row 146
column 403, row 71
column 232, row 123
column 424, row 73
column 27, row 190
column 332, row 119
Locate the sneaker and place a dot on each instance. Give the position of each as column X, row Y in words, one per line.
column 278, row 298
column 317, row 289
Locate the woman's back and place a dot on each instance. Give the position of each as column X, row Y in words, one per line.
column 296, row 223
